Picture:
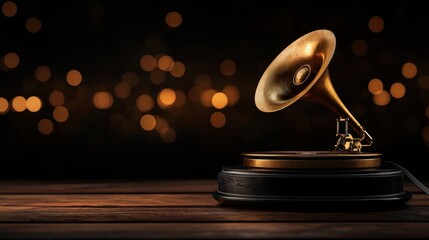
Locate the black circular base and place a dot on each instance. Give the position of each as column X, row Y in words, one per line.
column 367, row 188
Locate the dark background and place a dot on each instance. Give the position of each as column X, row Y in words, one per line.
column 105, row 39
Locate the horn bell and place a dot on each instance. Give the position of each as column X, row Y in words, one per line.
column 301, row 71
column 295, row 70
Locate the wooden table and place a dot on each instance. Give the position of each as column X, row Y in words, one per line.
column 171, row 209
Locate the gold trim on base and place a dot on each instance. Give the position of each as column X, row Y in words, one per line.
column 311, row 160
column 313, row 164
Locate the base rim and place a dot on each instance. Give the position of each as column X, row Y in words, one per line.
column 349, row 202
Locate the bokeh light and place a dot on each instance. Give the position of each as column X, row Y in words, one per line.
column 56, row 98
column 382, row 98
column 148, row 63
column 33, row 25
column 228, row 67
column 166, row 97
column 42, row 73
column 145, row 103
column 219, row 100
column 409, row 70
column 207, row 96
column 173, row 19
column 130, row 78
column 424, row 82
column 102, row 100
column 194, row 94
column 19, row 104
column 217, row 119
column 157, row 76
column 397, row 90
column 178, row 70
column 74, row 78
column 376, row 24
column 375, row 86
column 9, row 9
column 425, row 133
column 122, row 90
column 168, row 135
column 232, row 93
column 161, row 124
column 33, row 104
column 203, row 81
column 45, row 126
column 60, row 114
column 148, row 122
column 4, row 105
column 11, row 60
column 359, row 47
column 180, row 99
column 427, row 111
column 167, row 79
column 165, row 63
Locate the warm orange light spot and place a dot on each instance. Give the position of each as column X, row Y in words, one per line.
column 122, row 90
column 56, row 98
column 165, row 63
column 157, row 76
column 194, row 94
column 130, row 78
column 167, row 96
column 409, row 70
column 9, row 9
column 375, row 86
column 219, row 100
column 148, row 62
column 425, row 134
column 33, row 104
column 19, row 104
column 427, row 111
column 102, row 100
column 168, row 135
column 232, row 93
column 217, row 119
column 144, row 103
column 376, row 24
column 11, row 60
column 161, row 124
column 74, row 78
column 45, row 126
column 33, row 25
column 397, row 90
column 382, row 98
column 173, row 19
column 60, row 114
column 42, row 73
column 228, row 67
column 206, row 97
column 4, row 105
column 359, row 47
column 180, row 99
column 178, row 70
column 148, row 122
column 203, row 81
column 424, row 82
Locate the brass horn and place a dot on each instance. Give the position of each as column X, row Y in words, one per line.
column 300, row 71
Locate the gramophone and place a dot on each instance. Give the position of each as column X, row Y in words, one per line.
column 343, row 176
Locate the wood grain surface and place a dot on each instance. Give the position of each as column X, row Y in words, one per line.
column 185, row 209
